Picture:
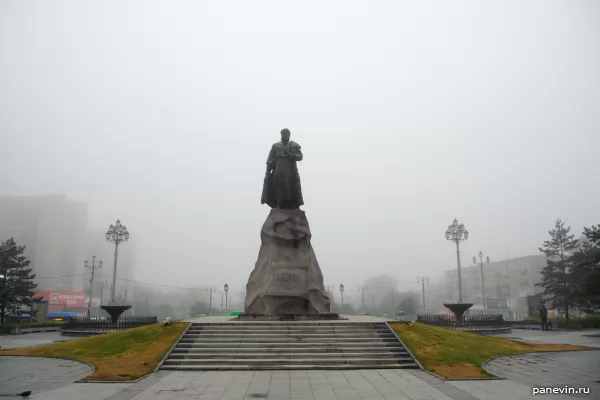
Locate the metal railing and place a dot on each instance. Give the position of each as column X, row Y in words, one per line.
column 105, row 324
column 468, row 322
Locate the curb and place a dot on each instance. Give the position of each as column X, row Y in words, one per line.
column 59, row 358
column 433, row 373
column 94, row 368
column 405, row 348
column 532, row 352
column 160, row 364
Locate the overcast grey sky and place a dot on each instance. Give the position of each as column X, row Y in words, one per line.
column 410, row 114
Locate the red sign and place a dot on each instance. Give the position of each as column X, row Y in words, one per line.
column 66, row 299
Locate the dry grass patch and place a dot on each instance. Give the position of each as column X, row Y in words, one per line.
column 455, row 354
column 118, row 356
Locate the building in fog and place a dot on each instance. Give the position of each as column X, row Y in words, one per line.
column 509, row 285
column 52, row 228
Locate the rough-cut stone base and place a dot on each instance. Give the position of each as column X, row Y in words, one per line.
column 290, row 317
column 286, row 278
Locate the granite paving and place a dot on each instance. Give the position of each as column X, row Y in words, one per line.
column 52, row 379
column 38, row 374
column 32, row 339
column 573, row 369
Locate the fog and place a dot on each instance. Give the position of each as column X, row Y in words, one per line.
column 409, row 114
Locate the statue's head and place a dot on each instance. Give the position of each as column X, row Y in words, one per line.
column 285, row 135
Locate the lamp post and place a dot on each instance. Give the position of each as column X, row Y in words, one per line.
column 457, row 233
column 342, row 292
column 422, row 280
column 362, row 290
column 487, row 260
column 210, row 291
column 226, row 288
column 116, row 234
column 89, row 311
column 3, row 279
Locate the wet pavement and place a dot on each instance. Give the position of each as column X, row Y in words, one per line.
column 38, row 374
column 31, row 339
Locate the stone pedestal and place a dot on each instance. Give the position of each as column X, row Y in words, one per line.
column 286, row 278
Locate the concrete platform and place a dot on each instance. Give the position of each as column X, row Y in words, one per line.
column 347, row 318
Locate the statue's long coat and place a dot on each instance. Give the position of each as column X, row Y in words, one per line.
column 268, row 195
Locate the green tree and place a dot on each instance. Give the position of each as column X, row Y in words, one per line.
column 408, row 305
column 16, row 285
column 586, row 272
column 556, row 275
column 198, row 308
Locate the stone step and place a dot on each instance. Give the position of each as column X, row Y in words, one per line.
column 290, row 323
column 273, row 345
column 256, row 349
column 285, row 340
column 276, row 361
column 285, row 355
column 314, row 345
column 283, row 367
column 288, row 331
column 287, row 326
column 288, row 335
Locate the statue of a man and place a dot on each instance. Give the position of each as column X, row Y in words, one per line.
column 281, row 188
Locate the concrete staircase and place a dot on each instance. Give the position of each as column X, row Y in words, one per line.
column 288, row 345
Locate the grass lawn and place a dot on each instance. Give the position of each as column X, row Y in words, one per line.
column 118, row 356
column 455, row 354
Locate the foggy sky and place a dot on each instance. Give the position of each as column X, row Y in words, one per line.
column 409, row 114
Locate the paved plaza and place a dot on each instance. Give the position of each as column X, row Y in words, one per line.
column 38, row 374
column 32, row 339
column 573, row 368
column 52, row 379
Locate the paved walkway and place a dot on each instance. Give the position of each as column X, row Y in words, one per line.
column 573, row 368
column 38, row 374
column 31, row 339
column 555, row 369
column 582, row 338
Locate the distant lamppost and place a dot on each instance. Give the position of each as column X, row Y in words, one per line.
column 362, row 290
column 422, row 280
column 116, row 234
column 226, row 288
column 93, row 266
column 342, row 292
column 457, row 233
column 3, row 279
column 102, row 284
column 487, row 260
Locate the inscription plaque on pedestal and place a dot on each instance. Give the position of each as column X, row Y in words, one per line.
column 288, row 281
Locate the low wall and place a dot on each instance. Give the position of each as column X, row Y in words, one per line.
column 18, row 330
column 478, row 323
column 86, row 327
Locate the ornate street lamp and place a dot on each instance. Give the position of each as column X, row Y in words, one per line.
column 457, row 233
column 93, row 266
column 226, row 288
column 487, row 260
column 342, row 292
column 116, row 234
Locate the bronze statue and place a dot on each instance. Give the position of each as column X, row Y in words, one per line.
column 281, row 187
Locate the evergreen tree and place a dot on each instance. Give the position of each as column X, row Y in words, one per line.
column 586, row 271
column 198, row 308
column 556, row 275
column 16, row 287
